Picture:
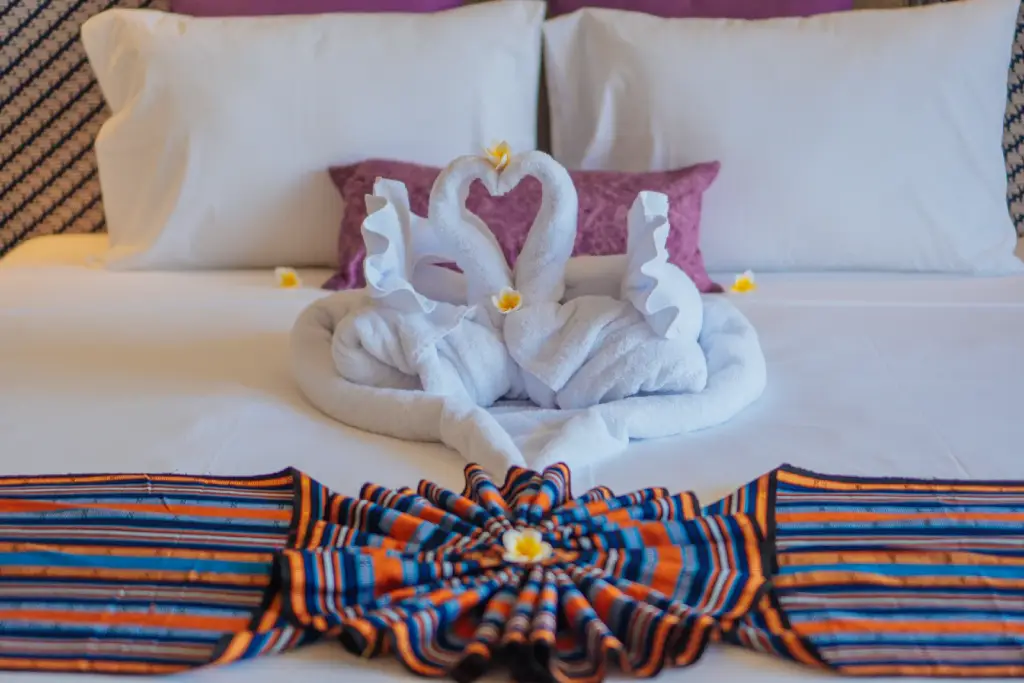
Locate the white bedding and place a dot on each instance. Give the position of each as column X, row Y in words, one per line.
column 915, row 376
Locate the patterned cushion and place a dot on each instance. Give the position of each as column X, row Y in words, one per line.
column 1013, row 138
column 50, row 111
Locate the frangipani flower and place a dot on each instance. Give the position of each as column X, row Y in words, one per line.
column 744, row 283
column 507, row 300
column 499, row 155
column 287, row 278
column 525, row 547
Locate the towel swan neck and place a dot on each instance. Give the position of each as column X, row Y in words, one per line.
column 468, row 240
column 540, row 268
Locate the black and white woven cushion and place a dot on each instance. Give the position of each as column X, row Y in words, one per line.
column 50, row 111
column 1013, row 137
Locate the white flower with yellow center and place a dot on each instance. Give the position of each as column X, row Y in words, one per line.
column 744, row 283
column 499, row 155
column 525, row 546
column 507, row 300
column 287, row 278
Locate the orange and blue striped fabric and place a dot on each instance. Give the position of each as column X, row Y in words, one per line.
column 638, row 580
column 889, row 577
column 137, row 574
column 160, row 573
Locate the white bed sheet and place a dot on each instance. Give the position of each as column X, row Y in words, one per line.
column 913, row 376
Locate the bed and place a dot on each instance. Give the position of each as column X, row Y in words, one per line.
column 906, row 375
column 851, row 178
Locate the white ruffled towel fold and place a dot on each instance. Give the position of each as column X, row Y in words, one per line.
column 399, row 338
column 457, row 353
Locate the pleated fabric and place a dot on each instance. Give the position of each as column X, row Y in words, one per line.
column 635, row 582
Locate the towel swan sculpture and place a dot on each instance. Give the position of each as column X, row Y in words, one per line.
column 573, row 354
column 591, row 349
column 451, row 352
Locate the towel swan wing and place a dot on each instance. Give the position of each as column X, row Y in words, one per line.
column 406, row 339
column 391, row 251
column 663, row 294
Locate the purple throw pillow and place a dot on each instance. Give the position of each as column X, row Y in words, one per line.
column 710, row 9
column 604, row 197
column 254, row 8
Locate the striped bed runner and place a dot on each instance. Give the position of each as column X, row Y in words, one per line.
column 146, row 574
column 138, row 574
column 889, row 577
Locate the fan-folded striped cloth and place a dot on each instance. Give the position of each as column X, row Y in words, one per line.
column 161, row 573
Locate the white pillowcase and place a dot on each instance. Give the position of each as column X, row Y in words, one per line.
column 864, row 140
column 222, row 131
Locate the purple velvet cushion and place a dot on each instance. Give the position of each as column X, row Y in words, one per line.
column 604, row 197
column 711, row 9
column 253, row 8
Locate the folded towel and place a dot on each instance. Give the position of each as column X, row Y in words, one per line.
column 517, row 432
column 663, row 293
column 404, row 413
column 447, row 352
column 540, row 268
column 395, row 337
column 595, row 349
column 403, row 254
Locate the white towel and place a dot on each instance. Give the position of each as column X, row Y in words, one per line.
column 404, row 413
column 737, row 376
column 465, row 238
column 517, row 433
column 594, row 349
column 540, row 267
column 447, row 352
column 394, row 337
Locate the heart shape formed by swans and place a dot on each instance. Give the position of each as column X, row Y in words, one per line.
column 589, row 350
column 570, row 354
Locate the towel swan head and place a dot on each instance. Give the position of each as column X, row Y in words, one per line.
column 539, row 274
column 469, row 241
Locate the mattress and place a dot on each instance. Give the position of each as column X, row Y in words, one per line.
column 875, row 375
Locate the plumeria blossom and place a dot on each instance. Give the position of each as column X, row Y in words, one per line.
column 744, row 283
column 507, row 300
column 525, row 546
column 287, row 278
column 499, row 155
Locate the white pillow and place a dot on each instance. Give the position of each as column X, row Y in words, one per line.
column 222, row 131
column 864, row 140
